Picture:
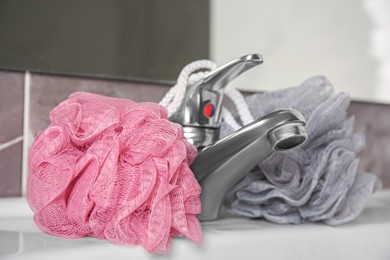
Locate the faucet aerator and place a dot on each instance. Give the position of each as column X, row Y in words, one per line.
column 287, row 137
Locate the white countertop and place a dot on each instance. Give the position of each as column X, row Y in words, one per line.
column 366, row 238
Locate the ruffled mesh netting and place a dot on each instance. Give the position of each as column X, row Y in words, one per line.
column 116, row 170
column 318, row 181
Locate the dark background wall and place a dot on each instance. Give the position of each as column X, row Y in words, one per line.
column 147, row 40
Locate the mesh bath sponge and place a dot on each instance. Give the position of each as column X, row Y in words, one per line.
column 319, row 181
column 114, row 169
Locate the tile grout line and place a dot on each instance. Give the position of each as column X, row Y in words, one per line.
column 11, row 142
column 26, row 130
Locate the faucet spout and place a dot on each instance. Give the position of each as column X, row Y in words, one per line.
column 219, row 166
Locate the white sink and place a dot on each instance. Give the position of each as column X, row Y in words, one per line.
column 233, row 238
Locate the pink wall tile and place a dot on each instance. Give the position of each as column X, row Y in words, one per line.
column 374, row 121
column 11, row 105
column 11, row 118
column 11, row 171
column 47, row 91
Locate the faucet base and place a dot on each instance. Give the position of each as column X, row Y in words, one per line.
column 201, row 137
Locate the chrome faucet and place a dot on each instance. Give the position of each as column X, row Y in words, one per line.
column 200, row 113
column 222, row 163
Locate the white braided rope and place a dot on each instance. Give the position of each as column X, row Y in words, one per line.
column 229, row 119
column 241, row 105
column 195, row 71
column 189, row 74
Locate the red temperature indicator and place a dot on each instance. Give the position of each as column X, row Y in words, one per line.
column 209, row 110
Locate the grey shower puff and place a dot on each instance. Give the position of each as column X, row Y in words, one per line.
column 318, row 181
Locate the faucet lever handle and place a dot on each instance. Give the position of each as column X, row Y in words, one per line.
column 219, row 78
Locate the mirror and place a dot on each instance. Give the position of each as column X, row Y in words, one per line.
column 146, row 40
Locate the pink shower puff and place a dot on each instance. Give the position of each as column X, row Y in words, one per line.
column 114, row 169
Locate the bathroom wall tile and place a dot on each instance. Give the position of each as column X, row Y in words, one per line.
column 11, row 171
column 11, row 105
column 11, row 131
column 47, row 91
column 374, row 121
